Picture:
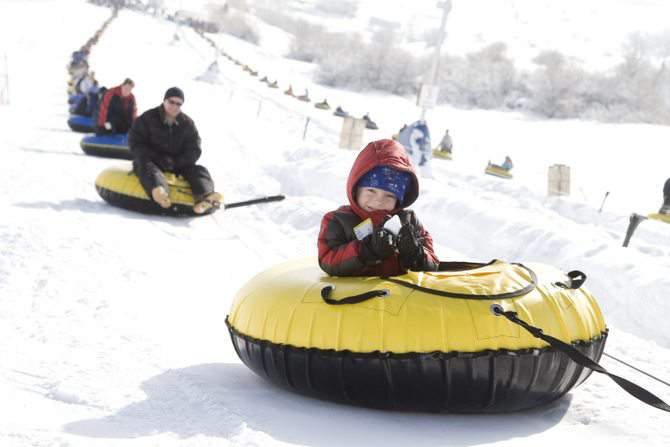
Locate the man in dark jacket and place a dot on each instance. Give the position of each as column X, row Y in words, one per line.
column 165, row 139
column 117, row 109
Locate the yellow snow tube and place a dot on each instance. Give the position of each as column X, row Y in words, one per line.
column 446, row 155
column 417, row 338
column 497, row 171
column 121, row 187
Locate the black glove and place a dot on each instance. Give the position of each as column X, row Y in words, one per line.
column 410, row 247
column 377, row 246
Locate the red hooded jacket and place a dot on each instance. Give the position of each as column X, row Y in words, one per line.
column 127, row 102
column 339, row 249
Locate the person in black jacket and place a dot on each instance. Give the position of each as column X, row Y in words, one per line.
column 165, row 139
column 665, row 208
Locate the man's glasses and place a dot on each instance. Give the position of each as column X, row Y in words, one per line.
column 175, row 103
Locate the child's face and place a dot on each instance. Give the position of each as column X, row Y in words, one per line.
column 375, row 199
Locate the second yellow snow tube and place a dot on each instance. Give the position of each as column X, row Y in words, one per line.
column 121, row 187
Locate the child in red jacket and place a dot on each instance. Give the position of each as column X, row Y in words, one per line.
column 353, row 240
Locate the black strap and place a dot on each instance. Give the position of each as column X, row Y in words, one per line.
column 453, row 266
column 634, row 390
column 575, row 280
column 469, row 296
column 325, row 294
column 457, row 266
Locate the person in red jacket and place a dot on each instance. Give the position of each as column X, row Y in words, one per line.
column 118, row 109
column 381, row 184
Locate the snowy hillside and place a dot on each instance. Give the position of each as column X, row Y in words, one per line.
column 591, row 31
column 112, row 323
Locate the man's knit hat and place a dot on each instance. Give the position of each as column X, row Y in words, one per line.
column 174, row 92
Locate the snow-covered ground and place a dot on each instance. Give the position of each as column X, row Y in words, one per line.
column 112, row 323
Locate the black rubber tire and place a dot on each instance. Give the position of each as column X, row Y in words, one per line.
column 480, row 382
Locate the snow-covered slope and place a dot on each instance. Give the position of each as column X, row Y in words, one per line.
column 112, row 323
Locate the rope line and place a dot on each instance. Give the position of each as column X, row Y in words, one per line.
column 637, row 369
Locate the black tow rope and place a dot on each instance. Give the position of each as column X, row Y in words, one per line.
column 254, row 201
column 634, row 390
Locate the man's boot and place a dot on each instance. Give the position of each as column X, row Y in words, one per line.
column 161, row 197
column 211, row 200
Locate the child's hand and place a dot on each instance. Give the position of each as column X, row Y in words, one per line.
column 378, row 246
column 410, row 247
